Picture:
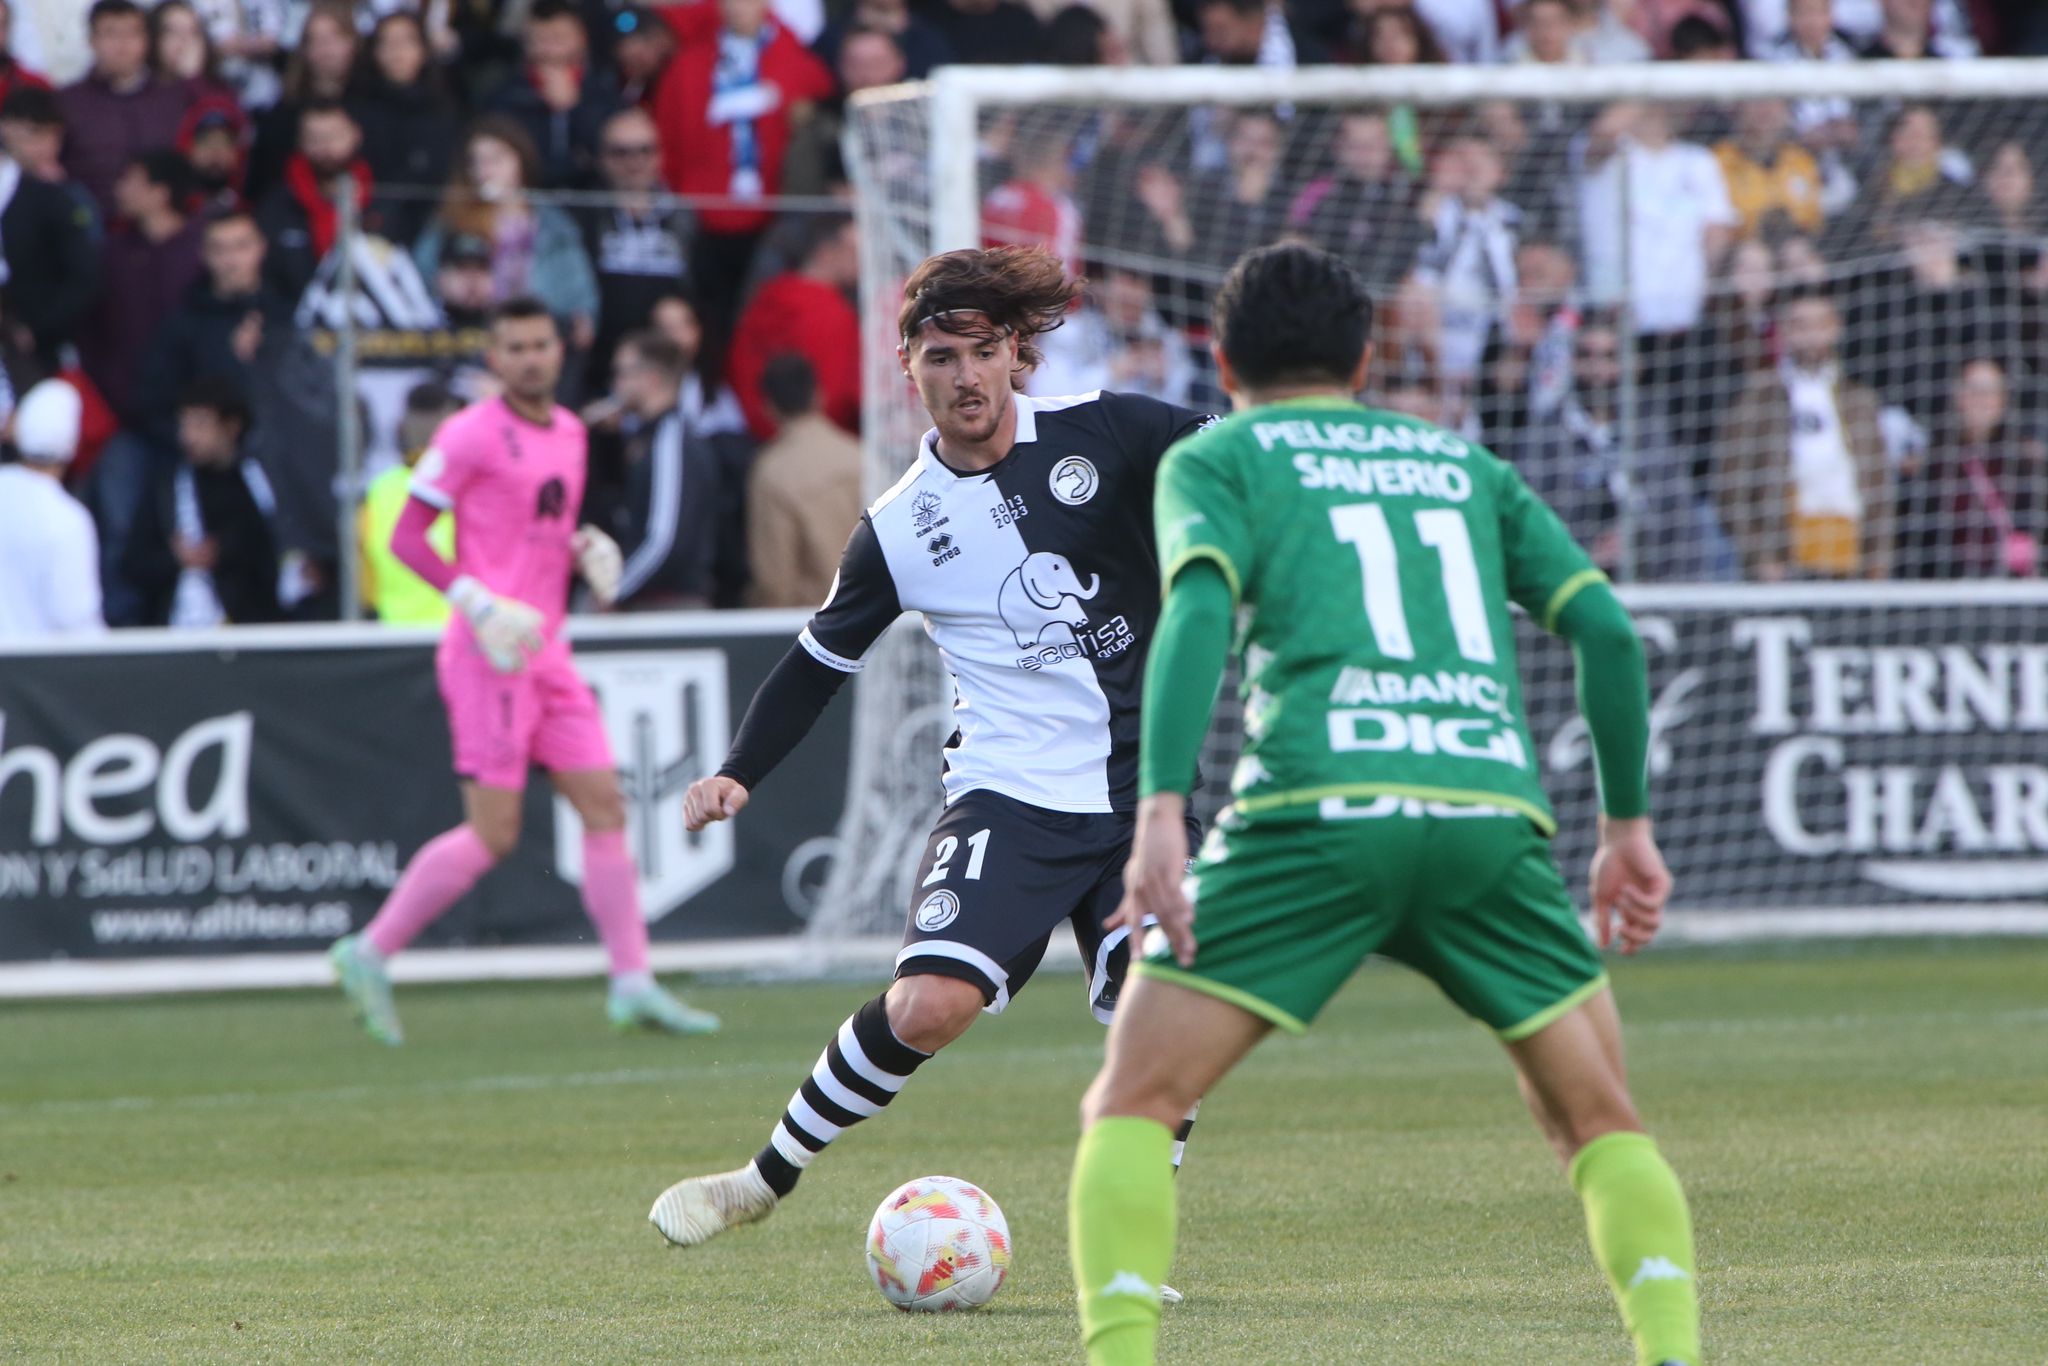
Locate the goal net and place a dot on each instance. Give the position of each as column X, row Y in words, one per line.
column 1768, row 338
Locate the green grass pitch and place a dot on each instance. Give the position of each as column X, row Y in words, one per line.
column 1863, row 1132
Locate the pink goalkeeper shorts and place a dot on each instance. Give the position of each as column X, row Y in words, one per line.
column 502, row 724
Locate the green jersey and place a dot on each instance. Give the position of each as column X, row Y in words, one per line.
column 1373, row 558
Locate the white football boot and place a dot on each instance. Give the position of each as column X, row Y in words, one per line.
column 699, row 1209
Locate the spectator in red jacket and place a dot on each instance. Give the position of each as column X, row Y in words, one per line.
column 725, row 104
column 808, row 311
column 1035, row 205
column 121, row 109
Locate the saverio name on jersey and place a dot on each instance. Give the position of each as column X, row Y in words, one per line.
column 1392, row 478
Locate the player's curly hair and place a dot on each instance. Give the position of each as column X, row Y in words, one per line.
column 1292, row 314
column 1022, row 291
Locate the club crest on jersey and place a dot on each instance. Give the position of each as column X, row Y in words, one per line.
column 553, row 500
column 942, row 548
column 924, row 514
column 937, row 911
column 1074, row 481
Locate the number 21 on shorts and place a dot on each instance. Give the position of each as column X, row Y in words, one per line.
column 977, row 850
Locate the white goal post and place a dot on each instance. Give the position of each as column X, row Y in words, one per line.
column 1905, row 805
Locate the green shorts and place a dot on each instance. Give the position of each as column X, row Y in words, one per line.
column 1289, row 903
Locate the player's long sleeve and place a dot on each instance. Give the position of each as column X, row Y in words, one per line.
column 1614, row 696
column 862, row 604
column 1189, row 649
column 411, row 548
column 788, row 704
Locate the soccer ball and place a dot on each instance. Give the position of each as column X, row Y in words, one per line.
column 938, row 1243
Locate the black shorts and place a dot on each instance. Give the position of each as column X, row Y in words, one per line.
column 997, row 878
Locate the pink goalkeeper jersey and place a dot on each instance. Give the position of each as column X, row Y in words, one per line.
column 515, row 489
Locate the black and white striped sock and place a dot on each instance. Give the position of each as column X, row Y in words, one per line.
column 859, row 1072
column 1180, row 1135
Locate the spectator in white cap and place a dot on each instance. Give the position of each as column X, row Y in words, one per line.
column 49, row 553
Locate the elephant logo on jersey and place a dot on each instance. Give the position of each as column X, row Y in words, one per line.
column 1043, row 595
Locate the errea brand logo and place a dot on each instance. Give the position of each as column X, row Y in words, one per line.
column 942, row 549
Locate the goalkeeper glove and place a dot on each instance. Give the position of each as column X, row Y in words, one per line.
column 507, row 629
column 599, row 562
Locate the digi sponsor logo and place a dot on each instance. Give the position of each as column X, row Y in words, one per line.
column 1074, row 481
column 937, row 911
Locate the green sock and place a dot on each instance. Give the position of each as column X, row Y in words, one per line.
column 1120, row 1228
column 1642, row 1238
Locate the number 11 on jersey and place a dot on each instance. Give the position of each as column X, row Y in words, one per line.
column 1363, row 526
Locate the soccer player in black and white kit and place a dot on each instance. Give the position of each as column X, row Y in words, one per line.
column 1023, row 534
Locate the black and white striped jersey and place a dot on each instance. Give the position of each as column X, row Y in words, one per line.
column 1039, row 583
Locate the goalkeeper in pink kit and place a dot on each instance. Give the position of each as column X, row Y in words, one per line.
column 511, row 471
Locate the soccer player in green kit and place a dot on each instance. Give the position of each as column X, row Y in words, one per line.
column 1387, row 798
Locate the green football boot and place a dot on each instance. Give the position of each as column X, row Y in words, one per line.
column 368, row 988
column 654, row 1008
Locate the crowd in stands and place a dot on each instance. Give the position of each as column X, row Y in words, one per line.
column 1771, row 339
